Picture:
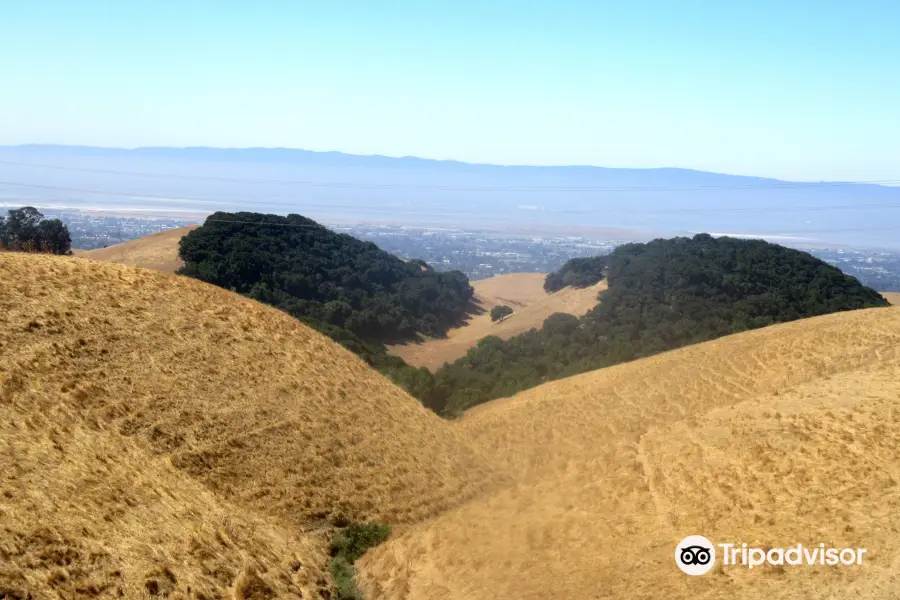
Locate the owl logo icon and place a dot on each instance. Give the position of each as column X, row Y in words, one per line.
column 695, row 555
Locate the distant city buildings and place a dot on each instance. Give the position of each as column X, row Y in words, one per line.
column 91, row 230
column 478, row 254
column 876, row 269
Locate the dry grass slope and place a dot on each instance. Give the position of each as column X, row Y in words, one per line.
column 163, row 437
column 158, row 434
column 785, row 435
column 524, row 293
column 157, row 251
column 892, row 297
column 516, row 290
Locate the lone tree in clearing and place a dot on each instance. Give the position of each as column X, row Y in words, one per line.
column 498, row 313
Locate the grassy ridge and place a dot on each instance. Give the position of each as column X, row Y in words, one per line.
column 662, row 295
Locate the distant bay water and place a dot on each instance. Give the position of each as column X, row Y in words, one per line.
column 340, row 187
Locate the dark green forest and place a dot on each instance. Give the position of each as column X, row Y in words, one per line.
column 330, row 278
column 662, row 295
column 26, row 230
column 577, row 272
column 350, row 290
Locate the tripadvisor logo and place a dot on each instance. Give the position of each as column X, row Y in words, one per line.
column 696, row 555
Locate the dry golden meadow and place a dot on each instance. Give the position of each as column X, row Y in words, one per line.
column 157, row 251
column 160, row 437
column 892, row 297
column 772, row 437
column 158, row 433
column 524, row 293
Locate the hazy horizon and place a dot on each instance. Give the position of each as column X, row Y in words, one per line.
column 795, row 91
column 50, row 147
column 339, row 187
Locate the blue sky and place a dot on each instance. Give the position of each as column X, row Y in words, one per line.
column 793, row 89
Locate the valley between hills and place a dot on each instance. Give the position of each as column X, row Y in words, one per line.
column 163, row 437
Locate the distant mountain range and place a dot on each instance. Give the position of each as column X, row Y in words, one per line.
column 662, row 176
column 333, row 186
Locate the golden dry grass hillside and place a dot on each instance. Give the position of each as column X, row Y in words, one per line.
column 516, row 290
column 158, row 251
column 892, row 297
column 524, row 293
column 160, row 436
column 774, row 437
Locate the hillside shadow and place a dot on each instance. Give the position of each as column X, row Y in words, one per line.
column 474, row 308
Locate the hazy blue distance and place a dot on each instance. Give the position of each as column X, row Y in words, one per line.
column 800, row 89
column 408, row 190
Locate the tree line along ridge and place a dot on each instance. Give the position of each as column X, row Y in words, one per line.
column 661, row 295
column 26, row 230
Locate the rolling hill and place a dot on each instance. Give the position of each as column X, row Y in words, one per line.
column 771, row 437
column 661, row 295
column 157, row 251
column 523, row 292
column 162, row 436
column 892, row 297
column 324, row 277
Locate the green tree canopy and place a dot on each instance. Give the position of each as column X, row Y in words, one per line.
column 314, row 273
column 53, row 236
column 577, row 272
column 662, row 295
column 349, row 290
column 25, row 229
column 499, row 312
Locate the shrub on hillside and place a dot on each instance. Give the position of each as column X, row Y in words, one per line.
column 347, row 546
column 500, row 312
